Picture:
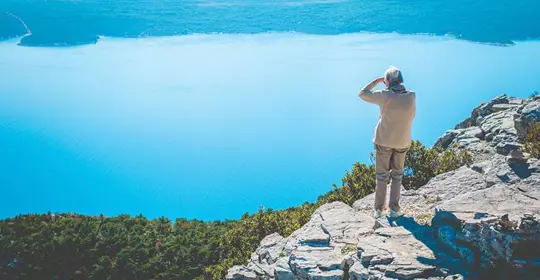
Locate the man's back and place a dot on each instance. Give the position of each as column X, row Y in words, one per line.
column 397, row 113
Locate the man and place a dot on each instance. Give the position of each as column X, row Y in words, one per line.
column 392, row 135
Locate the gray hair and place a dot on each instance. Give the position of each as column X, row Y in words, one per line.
column 393, row 76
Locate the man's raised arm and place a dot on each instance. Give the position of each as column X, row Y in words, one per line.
column 366, row 93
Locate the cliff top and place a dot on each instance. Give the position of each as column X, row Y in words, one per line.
column 468, row 223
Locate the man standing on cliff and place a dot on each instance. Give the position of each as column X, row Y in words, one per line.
column 392, row 137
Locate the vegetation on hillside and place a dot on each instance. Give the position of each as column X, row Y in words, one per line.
column 532, row 140
column 422, row 164
column 68, row 246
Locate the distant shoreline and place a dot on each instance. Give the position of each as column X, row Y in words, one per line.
column 22, row 40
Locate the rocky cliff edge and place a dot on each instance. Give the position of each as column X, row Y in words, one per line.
column 483, row 218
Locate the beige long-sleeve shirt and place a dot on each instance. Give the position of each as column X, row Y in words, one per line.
column 397, row 113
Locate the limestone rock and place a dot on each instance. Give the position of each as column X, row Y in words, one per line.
column 343, row 223
column 506, row 147
column 495, row 240
column 449, row 185
column 500, row 123
column 460, row 138
column 241, row 272
column 497, row 126
column 516, row 156
column 529, row 114
column 307, row 262
column 283, row 270
column 497, row 200
column 310, row 234
column 483, row 110
column 446, row 139
column 270, row 248
column 401, row 254
column 504, row 107
column 357, row 271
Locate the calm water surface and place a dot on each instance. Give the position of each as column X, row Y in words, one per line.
column 210, row 126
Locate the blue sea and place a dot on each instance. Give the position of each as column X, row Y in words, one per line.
column 210, row 109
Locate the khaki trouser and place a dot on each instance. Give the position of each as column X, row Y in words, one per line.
column 389, row 165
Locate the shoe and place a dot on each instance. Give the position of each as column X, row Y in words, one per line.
column 378, row 214
column 395, row 214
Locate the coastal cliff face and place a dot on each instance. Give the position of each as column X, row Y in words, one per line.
column 476, row 222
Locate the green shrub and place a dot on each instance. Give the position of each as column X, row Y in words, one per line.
column 354, row 185
column 532, row 140
column 349, row 248
column 422, row 164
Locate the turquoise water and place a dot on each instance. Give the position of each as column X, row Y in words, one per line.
column 210, row 126
column 70, row 22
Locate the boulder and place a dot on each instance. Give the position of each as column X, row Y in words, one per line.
column 270, row 248
column 446, row 139
column 358, row 272
column 497, row 170
column 528, row 114
column 460, row 138
column 241, row 272
column 497, row 200
column 396, row 253
column 283, row 270
column 343, row 224
column 499, row 123
column 307, row 262
column 516, row 156
column 483, row 110
column 488, row 241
